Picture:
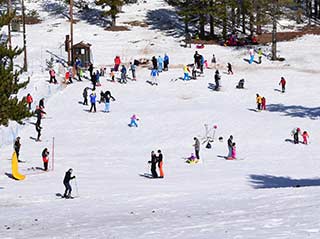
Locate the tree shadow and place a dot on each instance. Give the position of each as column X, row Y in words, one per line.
column 270, row 181
column 166, row 21
column 296, row 111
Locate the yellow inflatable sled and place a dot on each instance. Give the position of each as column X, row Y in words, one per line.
column 15, row 172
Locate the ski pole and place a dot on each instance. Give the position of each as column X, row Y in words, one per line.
column 76, row 185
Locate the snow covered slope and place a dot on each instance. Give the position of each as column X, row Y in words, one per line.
column 256, row 197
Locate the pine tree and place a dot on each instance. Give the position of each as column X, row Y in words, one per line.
column 114, row 8
column 10, row 107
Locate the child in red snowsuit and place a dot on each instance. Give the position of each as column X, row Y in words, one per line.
column 283, row 84
column 263, row 103
column 305, row 137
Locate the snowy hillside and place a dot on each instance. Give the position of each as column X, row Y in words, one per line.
column 270, row 193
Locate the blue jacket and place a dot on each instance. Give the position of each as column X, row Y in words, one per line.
column 154, row 72
column 124, row 70
column 93, row 98
column 166, row 58
column 160, row 60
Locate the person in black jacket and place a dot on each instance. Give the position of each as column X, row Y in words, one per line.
column 17, row 146
column 230, row 146
column 90, row 69
column 217, row 80
column 41, row 103
column 154, row 62
column 107, row 98
column 85, row 96
column 66, row 182
column 153, row 162
column 39, row 112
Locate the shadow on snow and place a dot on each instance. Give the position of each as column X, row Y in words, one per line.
column 270, row 181
column 295, row 111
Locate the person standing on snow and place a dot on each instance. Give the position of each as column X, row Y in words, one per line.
column 305, row 137
column 251, row 54
column 186, row 72
column 154, row 76
column 123, row 74
column 213, row 60
column 45, row 159
column 90, row 69
column 217, row 78
column 263, row 103
column 153, row 162
column 16, row 147
column 107, row 98
column 260, row 55
column 133, row 68
column 230, row 146
column 196, row 147
column 160, row 163
column 296, row 132
column 201, row 62
column 117, row 63
column 29, row 101
column 283, row 84
column 93, row 97
column 85, row 96
column 94, row 81
column 154, row 62
column 160, row 63
column 196, row 59
column 66, row 183
column 233, row 152
column 52, row 75
column 166, row 62
column 259, row 101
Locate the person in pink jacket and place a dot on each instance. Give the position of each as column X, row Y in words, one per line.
column 133, row 121
column 305, row 137
column 233, row 155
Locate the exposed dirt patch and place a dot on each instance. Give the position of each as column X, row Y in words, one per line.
column 117, row 28
column 28, row 20
column 136, row 24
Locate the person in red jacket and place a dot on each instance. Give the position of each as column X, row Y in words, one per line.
column 117, row 63
column 263, row 103
column 305, row 137
column 52, row 74
column 29, row 100
column 283, row 84
column 45, row 159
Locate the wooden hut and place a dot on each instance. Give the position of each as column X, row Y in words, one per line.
column 82, row 51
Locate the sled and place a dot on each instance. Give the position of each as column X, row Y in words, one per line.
column 15, row 173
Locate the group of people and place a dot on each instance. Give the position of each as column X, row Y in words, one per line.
column 261, row 102
column 296, row 132
column 158, row 65
column 156, row 160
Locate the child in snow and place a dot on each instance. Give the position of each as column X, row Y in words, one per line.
column 259, row 101
column 233, row 155
column 154, row 75
column 166, row 62
column 186, row 72
column 133, row 121
column 107, row 98
column 305, row 137
column 160, row 63
column 192, row 159
column 295, row 132
column 133, row 70
column 283, row 84
column 93, row 101
column 66, row 182
column 16, row 147
column 263, row 103
column 117, row 63
column 85, row 96
column 153, row 162
column 112, row 75
column 52, row 74
column 45, row 159
column 260, row 55
column 123, row 74
column 251, row 54
column 97, row 78
column 229, row 69
column 160, row 163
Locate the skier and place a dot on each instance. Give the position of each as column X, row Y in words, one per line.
column 196, row 147
column 16, row 147
column 230, row 146
column 29, row 100
column 45, row 159
column 133, row 121
column 305, row 137
column 160, row 63
column 260, row 55
column 259, row 101
column 283, row 84
column 295, row 132
column 93, row 97
column 229, row 69
column 66, row 182
column 251, row 54
column 85, row 96
column 154, row 62
column 186, row 72
column 166, row 62
column 154, row 76
column 52, row 75
column 153, row 162
column 133, row 71
column 123, row 74
column 217, row 78
column 107, row 98
column 160, row 163
column 263, row 103
column 117, row 63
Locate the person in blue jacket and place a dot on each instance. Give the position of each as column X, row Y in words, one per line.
column 93, row 97
column 123, row 74
column 166, row 62
column 201, row 63
column 154, row 75
column 160, row 64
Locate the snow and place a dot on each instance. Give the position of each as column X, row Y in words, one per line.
column 255, row 197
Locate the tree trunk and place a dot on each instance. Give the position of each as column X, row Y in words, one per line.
column 233, row 19
column 186, row 26
column 211, row 26
column 243, row 13
column 201, row 27
column 274, row 13
column 113, row 20
column 258, row 20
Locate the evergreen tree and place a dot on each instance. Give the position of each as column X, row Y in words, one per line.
column 10, row 107
column 114, row 8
